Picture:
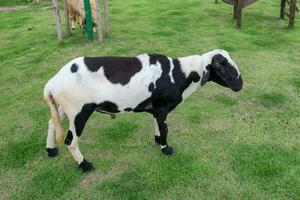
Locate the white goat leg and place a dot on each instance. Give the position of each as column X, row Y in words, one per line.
column 73, row 24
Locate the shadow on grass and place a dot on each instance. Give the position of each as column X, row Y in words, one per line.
column 227, row 100
column 158, row 176
column 115, row 135
column 272, row 99
column 117, row 131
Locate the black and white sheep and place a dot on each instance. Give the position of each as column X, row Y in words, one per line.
column 146, row 83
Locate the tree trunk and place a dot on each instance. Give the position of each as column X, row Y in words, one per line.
column 293, row 13
column 239, row 13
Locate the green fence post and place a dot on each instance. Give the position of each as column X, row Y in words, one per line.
column 88, row 20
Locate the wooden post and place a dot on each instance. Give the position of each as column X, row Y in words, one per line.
column 57, row 21
column 67, row 17
column 235, row 11
column 239, row 13
column 293, row 13
column 99, row 21
column 106, row 16
column 282, row 8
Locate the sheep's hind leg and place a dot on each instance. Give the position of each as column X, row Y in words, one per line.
column 74, row 150
column 77, row 124
column 50, row 144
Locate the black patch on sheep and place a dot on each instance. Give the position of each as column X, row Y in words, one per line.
column 181, row 81
column 194, row 77
column 151, row 87
column 86, row 111
column 107, row 106
column 82, row 117
column 116, row 69
column 69, row 138
column 128, row 109
column 74, row 68
column 166, row 95
column 178, row 75
column 144, row 106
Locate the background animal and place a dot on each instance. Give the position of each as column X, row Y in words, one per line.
column 77, row 12
column 146, row 83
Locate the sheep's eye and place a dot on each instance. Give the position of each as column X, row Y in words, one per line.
column 224, row 62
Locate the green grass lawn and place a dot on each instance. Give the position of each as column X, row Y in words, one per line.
column 14, row 2
column 227, row 145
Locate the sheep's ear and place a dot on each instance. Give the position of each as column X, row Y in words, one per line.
column 206, row 75
column 218, row 61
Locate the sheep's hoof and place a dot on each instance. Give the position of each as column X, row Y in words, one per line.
column 52, row 152
column 113, row 116
column 86, row 166
column 168, row 150
column 157, row 139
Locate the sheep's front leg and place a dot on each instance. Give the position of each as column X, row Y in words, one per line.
column 76, row 127
column 50, row 144
column 73, row 24
column 156, row 133
column 163, row 129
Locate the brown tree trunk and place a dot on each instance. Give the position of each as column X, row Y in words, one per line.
column 282, row 8
column 293, row 13
column 239, row 13
column 235, row 12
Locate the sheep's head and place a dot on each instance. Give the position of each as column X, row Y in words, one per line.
column 224, row 71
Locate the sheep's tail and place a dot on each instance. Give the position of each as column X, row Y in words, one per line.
column 55, row 117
